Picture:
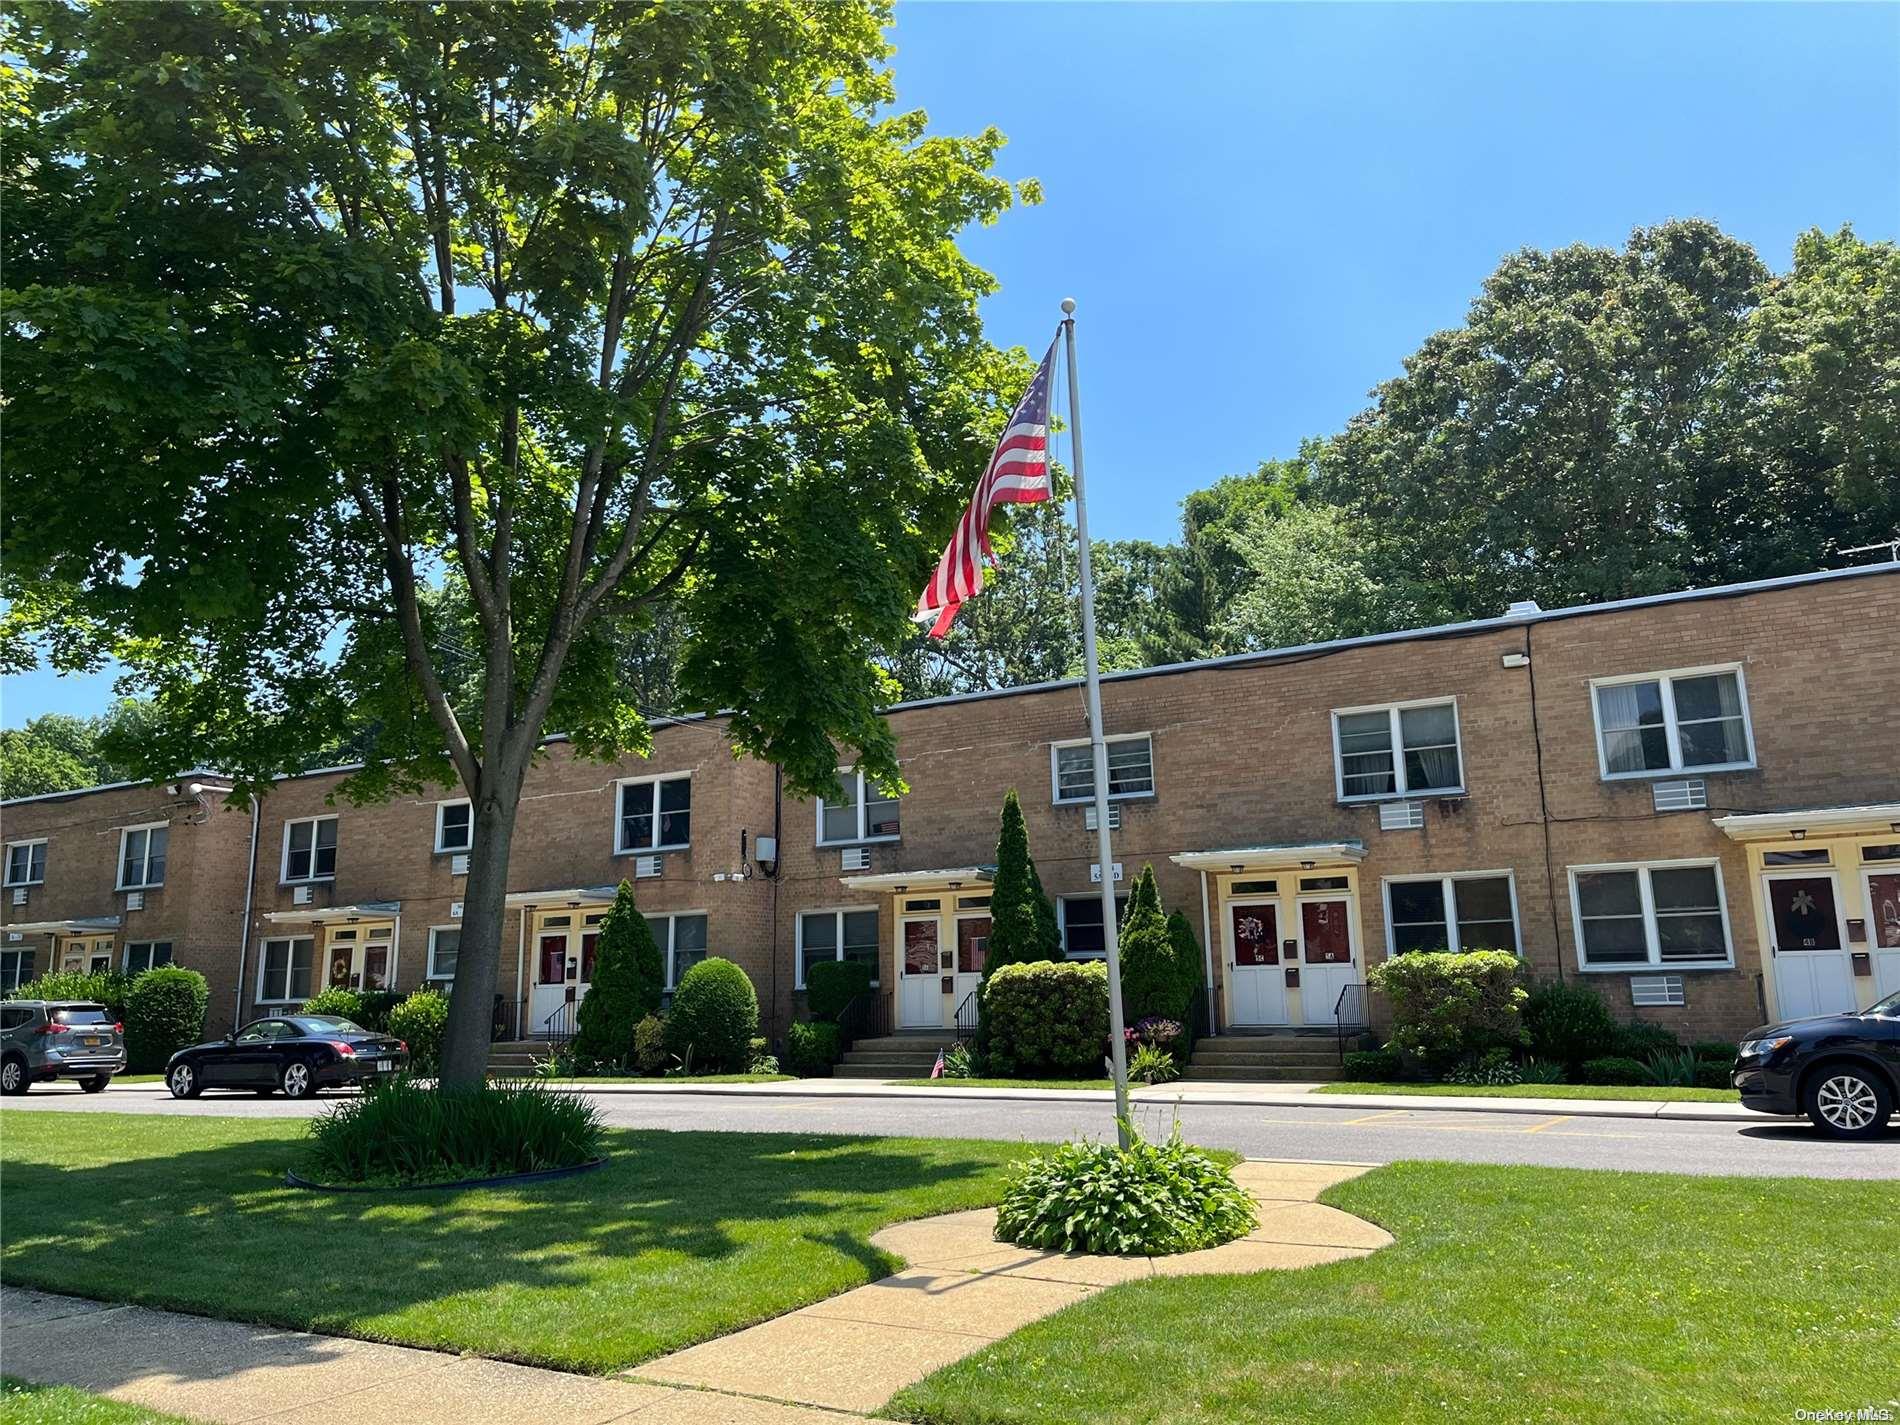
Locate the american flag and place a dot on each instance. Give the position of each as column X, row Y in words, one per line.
column 1018, row 474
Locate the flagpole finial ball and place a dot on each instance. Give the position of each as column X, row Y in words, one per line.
column 1068, row 306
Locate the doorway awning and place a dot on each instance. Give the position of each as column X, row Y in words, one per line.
column 1292, row 855
column 78, row 925
column 1838, row 821
column 333, row 914
column 571, row 896
column 950, row 878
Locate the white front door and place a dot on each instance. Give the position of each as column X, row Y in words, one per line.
column 564, row 963
column 1257, row 982
column 973, row 948
column 1327, row 956
column 359, row 958
column 1808, row 944
column 920, row 978
column 1883, row 929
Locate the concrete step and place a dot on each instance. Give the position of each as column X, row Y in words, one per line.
column 928, row 1042
column 1268, row 1044
column 1265, row 1061
column 883, row 1071
column 888, row 1056
column 1255, row 1073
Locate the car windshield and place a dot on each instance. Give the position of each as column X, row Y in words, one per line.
column 327, row 1024
column 1888, row 1008
column 81, row 1014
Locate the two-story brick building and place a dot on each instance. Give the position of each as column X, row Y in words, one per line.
column 1690, row 801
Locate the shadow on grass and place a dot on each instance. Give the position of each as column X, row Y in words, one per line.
column 681, row 1237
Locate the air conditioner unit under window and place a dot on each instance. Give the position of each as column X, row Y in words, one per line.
column 857, row 858
column 19, row 895
column 1114, row 818
column 648, row 865
column 300, row 895
column 1651, row 990
column 135, row 900
column 458, row 865
column 1401, row 816
column 1691, row 794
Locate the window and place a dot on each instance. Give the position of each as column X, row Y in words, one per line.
column 283, row 975
column 1667, row 913
column 454, row 826
column 656, row 814
column 1404, row 750
column 837, row 935
column 16, row 968
column 445, row 944
column 1082, row 924
column 865, row 814
column 26, row 863
column 147, row 955
column 142, row 855
column 1673, row 722
column 682, row 942
column 1131, row 768
column 310, row 849
column 1465, row 912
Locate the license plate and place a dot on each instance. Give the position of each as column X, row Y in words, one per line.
column 94, row 1043
column 383, row 1066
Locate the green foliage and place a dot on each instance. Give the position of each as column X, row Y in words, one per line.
column 1377, row 1066
column 164, row 1012
column 106, row 987
column 58, row 752
column 649, row 1044
column 1445, row 1006
column 1540, row 1071
column 812, row 1048
column 1613, row 1069
column 1721, row 1051
column 401, row 1133
column 1711, row 1075
column 1568, row 1023
column 830, row 985
column 959, row 1062
column 1047, row 1020
column 369, row 1008
column 420, row 1022
column 1491, row 1069
column 1020, row 914
column 1152, row 979
column 1310, row 578
column 629, row 978
column 1151, row 1199
column 1150, row 1065
column 759, row 1059
column 1673, row 1068
column 714, row 1016
column 1191, row 967
column 1641, row 1041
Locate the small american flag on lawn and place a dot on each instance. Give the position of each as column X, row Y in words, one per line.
column 1018, row 474
column 936, row 1069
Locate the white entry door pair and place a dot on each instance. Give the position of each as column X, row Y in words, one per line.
column 921, row 1002
column 1324, row 947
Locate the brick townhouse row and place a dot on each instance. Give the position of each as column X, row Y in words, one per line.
column 1690, row 801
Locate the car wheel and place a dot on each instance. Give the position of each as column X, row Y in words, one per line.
column 1847, row 1101
column 95, row 1084
column 297, row 1080
column 182, row 1080
column 13, row 1077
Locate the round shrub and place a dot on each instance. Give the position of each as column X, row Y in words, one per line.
column 1148, row 1199
column 401, row 1133
column 420, row 1022
column 1568, row 1023
column 830, row 985
column 1447, row 1006
column 344, row 1004
column 1613, row 1069
column 811, row 1049
column 1047, row 1018
column 164, row 1012
column 714, row 1016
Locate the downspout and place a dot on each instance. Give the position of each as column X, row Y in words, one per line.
column 244, row 931
column 1207, row 953
column 1543, row 807
column 778, row 865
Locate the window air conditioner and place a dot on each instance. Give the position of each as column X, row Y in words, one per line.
column 1401, row 816
column 1689, row 795
column 300, row 895
column 857, row 858
column 648, row 865
column 458, row 865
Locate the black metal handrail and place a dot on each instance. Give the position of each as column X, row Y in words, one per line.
column 867, row 1016
column 967, row 1015
column 558, row 1027
column 1350, row 1011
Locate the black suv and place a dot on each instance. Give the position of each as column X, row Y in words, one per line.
column 42, row 1040
column 1842, row 1070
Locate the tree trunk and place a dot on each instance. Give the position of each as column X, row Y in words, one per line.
column 484, row 913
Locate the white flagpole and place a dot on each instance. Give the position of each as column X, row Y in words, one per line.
column 1117, row 1046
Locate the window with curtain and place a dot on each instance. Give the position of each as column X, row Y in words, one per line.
column 1398, row 751
column 1672, row 722
column 1650, row 915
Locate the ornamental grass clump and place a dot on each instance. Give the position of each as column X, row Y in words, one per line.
column 401, row 1134
column 1148, row 1199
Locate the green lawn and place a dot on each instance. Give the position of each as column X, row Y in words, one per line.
column 683, row 1236
column 581, row 1083
column 1642, row 1093
column 1008, row 1084
column 22, row 1403
column 1513, row 1294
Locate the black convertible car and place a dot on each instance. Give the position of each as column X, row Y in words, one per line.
column 298, row 1053
column 1842, row 1070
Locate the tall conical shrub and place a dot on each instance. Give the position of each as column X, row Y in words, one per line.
column 1150, row 977
column 1188, row 965
column 1021, row 922
column 628, row 980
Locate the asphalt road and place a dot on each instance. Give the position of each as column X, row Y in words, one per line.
column 1770, row 1148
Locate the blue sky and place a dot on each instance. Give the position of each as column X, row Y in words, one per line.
column 1262, row 209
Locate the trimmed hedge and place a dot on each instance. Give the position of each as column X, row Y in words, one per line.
column 715, row 1014
column 830, row 985
column 1377, row 1066
column 1613, row 1069
column 420, row 1022
column 811, row 1049
column 106, row 987
column 164, row 1012
column 368, row 1008
column 1047, row 1019
column 1568, row 1024
column 1448, row 1006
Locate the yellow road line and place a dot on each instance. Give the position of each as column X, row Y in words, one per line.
column 1440, row 1128
column 1375, row 1117
column 1551, row 1123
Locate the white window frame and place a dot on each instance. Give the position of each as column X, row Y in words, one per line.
column 1392, row 711
column 1446, row 884
column 283, row 866
column 837, row 914
column 672, row 918
column 429, row 971
column 864, row 784
column 146, row 866
column 28, row 845
column 1655, row 961
column 1666, row 680
column 620, row 800
column 1055, row 777
column 263, row 957
column 441, row 810
column 125, row 956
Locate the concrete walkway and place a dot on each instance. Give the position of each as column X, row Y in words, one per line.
column 823, row 1365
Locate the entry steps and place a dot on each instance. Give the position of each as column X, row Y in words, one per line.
column 894, row 1056
column 516, row 1058
column 1289, row 1057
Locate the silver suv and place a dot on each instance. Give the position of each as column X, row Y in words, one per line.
column 41, row 1040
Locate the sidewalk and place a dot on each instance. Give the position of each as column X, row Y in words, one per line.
column 822, row 1365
